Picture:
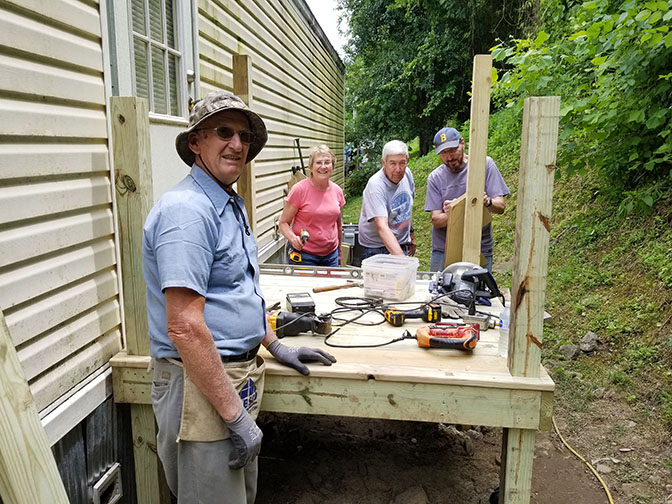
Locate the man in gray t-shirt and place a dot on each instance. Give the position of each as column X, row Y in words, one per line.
column 385, row 225
column 449, row 181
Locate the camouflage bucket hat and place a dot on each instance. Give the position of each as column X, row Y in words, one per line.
column 214, row 103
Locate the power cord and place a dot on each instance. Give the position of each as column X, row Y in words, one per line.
column 404, row 336
column 604, row 485
column 365, row 305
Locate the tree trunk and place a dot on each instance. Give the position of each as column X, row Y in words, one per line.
column 425, row 144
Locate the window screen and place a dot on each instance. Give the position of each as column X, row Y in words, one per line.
column 155, row 55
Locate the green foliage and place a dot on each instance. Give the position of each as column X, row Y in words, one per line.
column 610, row 62
column 352, row 209
column 504, row 143
column 356, row 181
column 408, row 64
column 656, row 257
column 666, row 414
column 620, row 378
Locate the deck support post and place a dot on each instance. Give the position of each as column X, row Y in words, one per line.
column 242, row 87
column 538, row 150
column 28, row 471
column 133, row 182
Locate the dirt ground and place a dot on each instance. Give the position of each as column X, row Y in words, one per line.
column 313, row 459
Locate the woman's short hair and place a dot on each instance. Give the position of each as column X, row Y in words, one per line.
column 394, row 147
column 320, row 150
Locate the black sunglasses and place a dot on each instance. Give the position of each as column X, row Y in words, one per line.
column 226, row 133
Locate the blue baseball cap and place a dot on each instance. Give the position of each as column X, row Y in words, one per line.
column 446, row 138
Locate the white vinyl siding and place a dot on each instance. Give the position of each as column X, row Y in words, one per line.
column 58, row 265
column 297, row 88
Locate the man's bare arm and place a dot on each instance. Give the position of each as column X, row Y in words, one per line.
column 498, row 205
column 194, row 343
column 387, row 236
column 439, row 219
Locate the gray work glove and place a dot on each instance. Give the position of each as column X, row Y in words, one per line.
column 294, row 357
column 246, row 439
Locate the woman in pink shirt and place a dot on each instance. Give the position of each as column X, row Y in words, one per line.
column 314, row 204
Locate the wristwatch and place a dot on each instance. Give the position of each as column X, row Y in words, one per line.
column 489, row 202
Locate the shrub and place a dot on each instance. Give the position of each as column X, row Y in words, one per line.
column 610, row 63
column 356, row 181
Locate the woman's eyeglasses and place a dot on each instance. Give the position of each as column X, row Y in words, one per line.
column 226, row 133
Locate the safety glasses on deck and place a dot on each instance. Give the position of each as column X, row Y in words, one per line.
column 226, row 133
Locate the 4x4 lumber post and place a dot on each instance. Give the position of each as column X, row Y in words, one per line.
column 478, row 147
column 133, row 182
column 535, row 192
column 242, row 87
column 538, row 149
column 28, row 471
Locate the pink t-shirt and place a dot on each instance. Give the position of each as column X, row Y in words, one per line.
column 318, row 212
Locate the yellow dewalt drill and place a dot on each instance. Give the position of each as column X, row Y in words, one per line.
column 295, row 255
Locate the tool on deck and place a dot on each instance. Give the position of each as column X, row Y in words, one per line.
column 290, row 324
column 428, row 313
column 449, row 335
column 466, row 284
column 300, row 302
column 351, row 283
column 295, row 255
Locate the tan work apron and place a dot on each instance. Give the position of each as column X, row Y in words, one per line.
column 200, row 420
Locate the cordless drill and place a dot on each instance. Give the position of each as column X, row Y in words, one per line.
column 295, row 255
column 290, row 324
column 428, row 313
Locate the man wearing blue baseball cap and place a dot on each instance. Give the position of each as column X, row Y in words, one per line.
column 449, row 181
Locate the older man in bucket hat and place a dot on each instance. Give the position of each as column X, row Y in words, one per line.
column 207, row 314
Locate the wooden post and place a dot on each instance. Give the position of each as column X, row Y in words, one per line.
column 455, row 232
column 515, row 478
column 242, row 87
column 478, row 147
column 535, row 190
column 538, row 149
column 28, row 471
column 133, row 182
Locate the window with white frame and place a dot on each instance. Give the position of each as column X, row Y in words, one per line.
column 156, row 56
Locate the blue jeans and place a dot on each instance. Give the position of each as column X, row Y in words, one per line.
column 436, row 261
column 329, row 260
column 368, row 252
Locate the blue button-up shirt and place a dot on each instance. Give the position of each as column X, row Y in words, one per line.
column 195, row 237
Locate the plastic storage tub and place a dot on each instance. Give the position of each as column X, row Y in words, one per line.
column 389, row 277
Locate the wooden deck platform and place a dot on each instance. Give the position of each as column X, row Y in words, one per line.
column 401, row 381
